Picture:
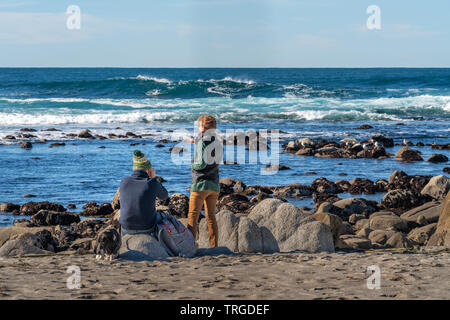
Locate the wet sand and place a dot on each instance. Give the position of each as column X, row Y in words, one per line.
column 244, row 276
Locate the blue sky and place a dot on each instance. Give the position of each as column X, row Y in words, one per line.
column 225, row 33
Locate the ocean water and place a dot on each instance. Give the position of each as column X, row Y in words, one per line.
column 412, row 104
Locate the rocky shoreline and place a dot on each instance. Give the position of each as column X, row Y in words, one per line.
column 406, row 217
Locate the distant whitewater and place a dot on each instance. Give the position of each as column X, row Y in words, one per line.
column 114, row 96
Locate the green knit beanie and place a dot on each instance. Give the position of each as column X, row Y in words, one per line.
column 140, row 162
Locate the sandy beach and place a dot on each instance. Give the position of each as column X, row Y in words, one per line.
column 244, row 276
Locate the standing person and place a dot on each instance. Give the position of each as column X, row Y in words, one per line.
column 138, row 194
column 205, row 186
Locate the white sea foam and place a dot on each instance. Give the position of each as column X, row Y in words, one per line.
column 148, row 78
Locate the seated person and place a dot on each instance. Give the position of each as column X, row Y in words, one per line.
column 138, row 194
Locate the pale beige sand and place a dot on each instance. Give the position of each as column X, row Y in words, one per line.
column 277, row 276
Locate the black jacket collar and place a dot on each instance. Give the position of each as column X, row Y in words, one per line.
column 140, row 174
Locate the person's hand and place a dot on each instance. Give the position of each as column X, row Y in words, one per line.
column 189, row 140
column 151, row 173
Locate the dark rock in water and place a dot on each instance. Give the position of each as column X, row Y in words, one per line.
column 420, row 144
column 322, row 185
column 35, row 158
column 112, row 135
column 402, row 199
column 92, row 209
column 361, row 185
column 29, row 195
column 293, row 191
column 437, row 158
column 365, row 126
column 234, row 202
column 177, row 149
column 10, row 137
column 8, row 207
column 130, row 134
column 108, row 242
column 408, row 154
column 305, row 152
column 134, row 144
column 178, row 205
column 28, row 130
column 57, row 144
column 102, row 147
column 28, row 136
column 163, row 141
column 71, row 206
column 86, row 134
column 50, row 129
column 381, row 185
column 53, row 218
column 159, row 145
column 400, row 180
column 233, row 185
column 26, row 145
column 385, row 141
column 375, row 153
column 446, row 170
column 440, row 146
column 100, row 137
column 276, row 167
column 319, row 198
column 343, row 185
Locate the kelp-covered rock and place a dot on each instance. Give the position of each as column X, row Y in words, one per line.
column 31, row 208
column 53, row 218
column 178, row 205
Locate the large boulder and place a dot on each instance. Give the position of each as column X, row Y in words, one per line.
column 380, row 236
column 41, row 242
column 356, row 242
column 425, row 214
column 437, row 187
column 239, row 234
column 387, row 222
column 31, row 208
column 422, row 234
column 10, row 233
column 291, row 227
column 332, row 221
column 399, row 240
column 408, row 154
column 441, row 236
column 141, row 247
column 53, row 218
